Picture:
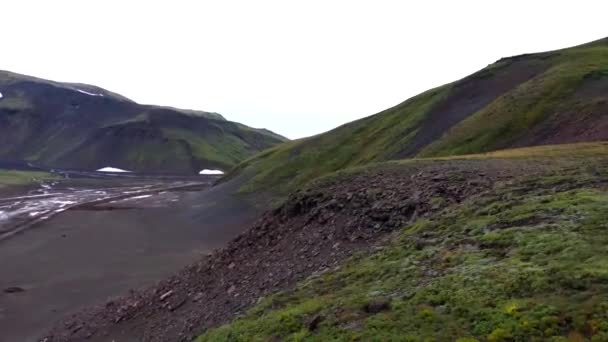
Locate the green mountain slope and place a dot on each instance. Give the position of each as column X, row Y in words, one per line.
column 523, row 260
column 545, row 98
column 85, row 127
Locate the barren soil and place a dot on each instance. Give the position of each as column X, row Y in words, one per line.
column 90, row 253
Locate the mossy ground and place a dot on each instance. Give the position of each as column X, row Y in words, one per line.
column 219, row 150
column 17, row 178
column 525, row 262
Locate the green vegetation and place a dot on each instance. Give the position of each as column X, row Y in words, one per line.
column 16, row 178
column 563, row 100
column 219, row 150
column 562, row 91
column 14, row 104
column 196, row 113
column 525, row 262
column 574, row 151
column 290, row 165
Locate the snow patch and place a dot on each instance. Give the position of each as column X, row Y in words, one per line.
column 139, row 197
column 111, row 169
column 63, row 203
column 211, row 172
column 87, row 93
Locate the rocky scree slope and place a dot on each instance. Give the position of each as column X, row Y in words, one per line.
column 80, row 126
column 544, row 98
column 352, row 213
column 524, row 259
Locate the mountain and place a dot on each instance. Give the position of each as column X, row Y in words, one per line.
column 544, row 98
column 440, row 219
column 81, row 126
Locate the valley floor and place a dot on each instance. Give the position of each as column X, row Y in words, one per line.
column 92, row 250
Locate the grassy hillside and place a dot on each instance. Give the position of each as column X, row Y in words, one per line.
column 546, row 98
column 524, row 261
column 85, row 127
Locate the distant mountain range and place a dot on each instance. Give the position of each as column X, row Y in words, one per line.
column 80, row 126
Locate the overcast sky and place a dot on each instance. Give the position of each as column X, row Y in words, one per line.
column 296, row 67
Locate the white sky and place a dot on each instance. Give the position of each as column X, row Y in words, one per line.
column 295, row 67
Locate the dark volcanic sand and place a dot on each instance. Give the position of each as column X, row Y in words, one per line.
column 86, row 255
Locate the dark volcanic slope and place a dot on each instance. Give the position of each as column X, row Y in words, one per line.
column 545, row 98
column 86, row 127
